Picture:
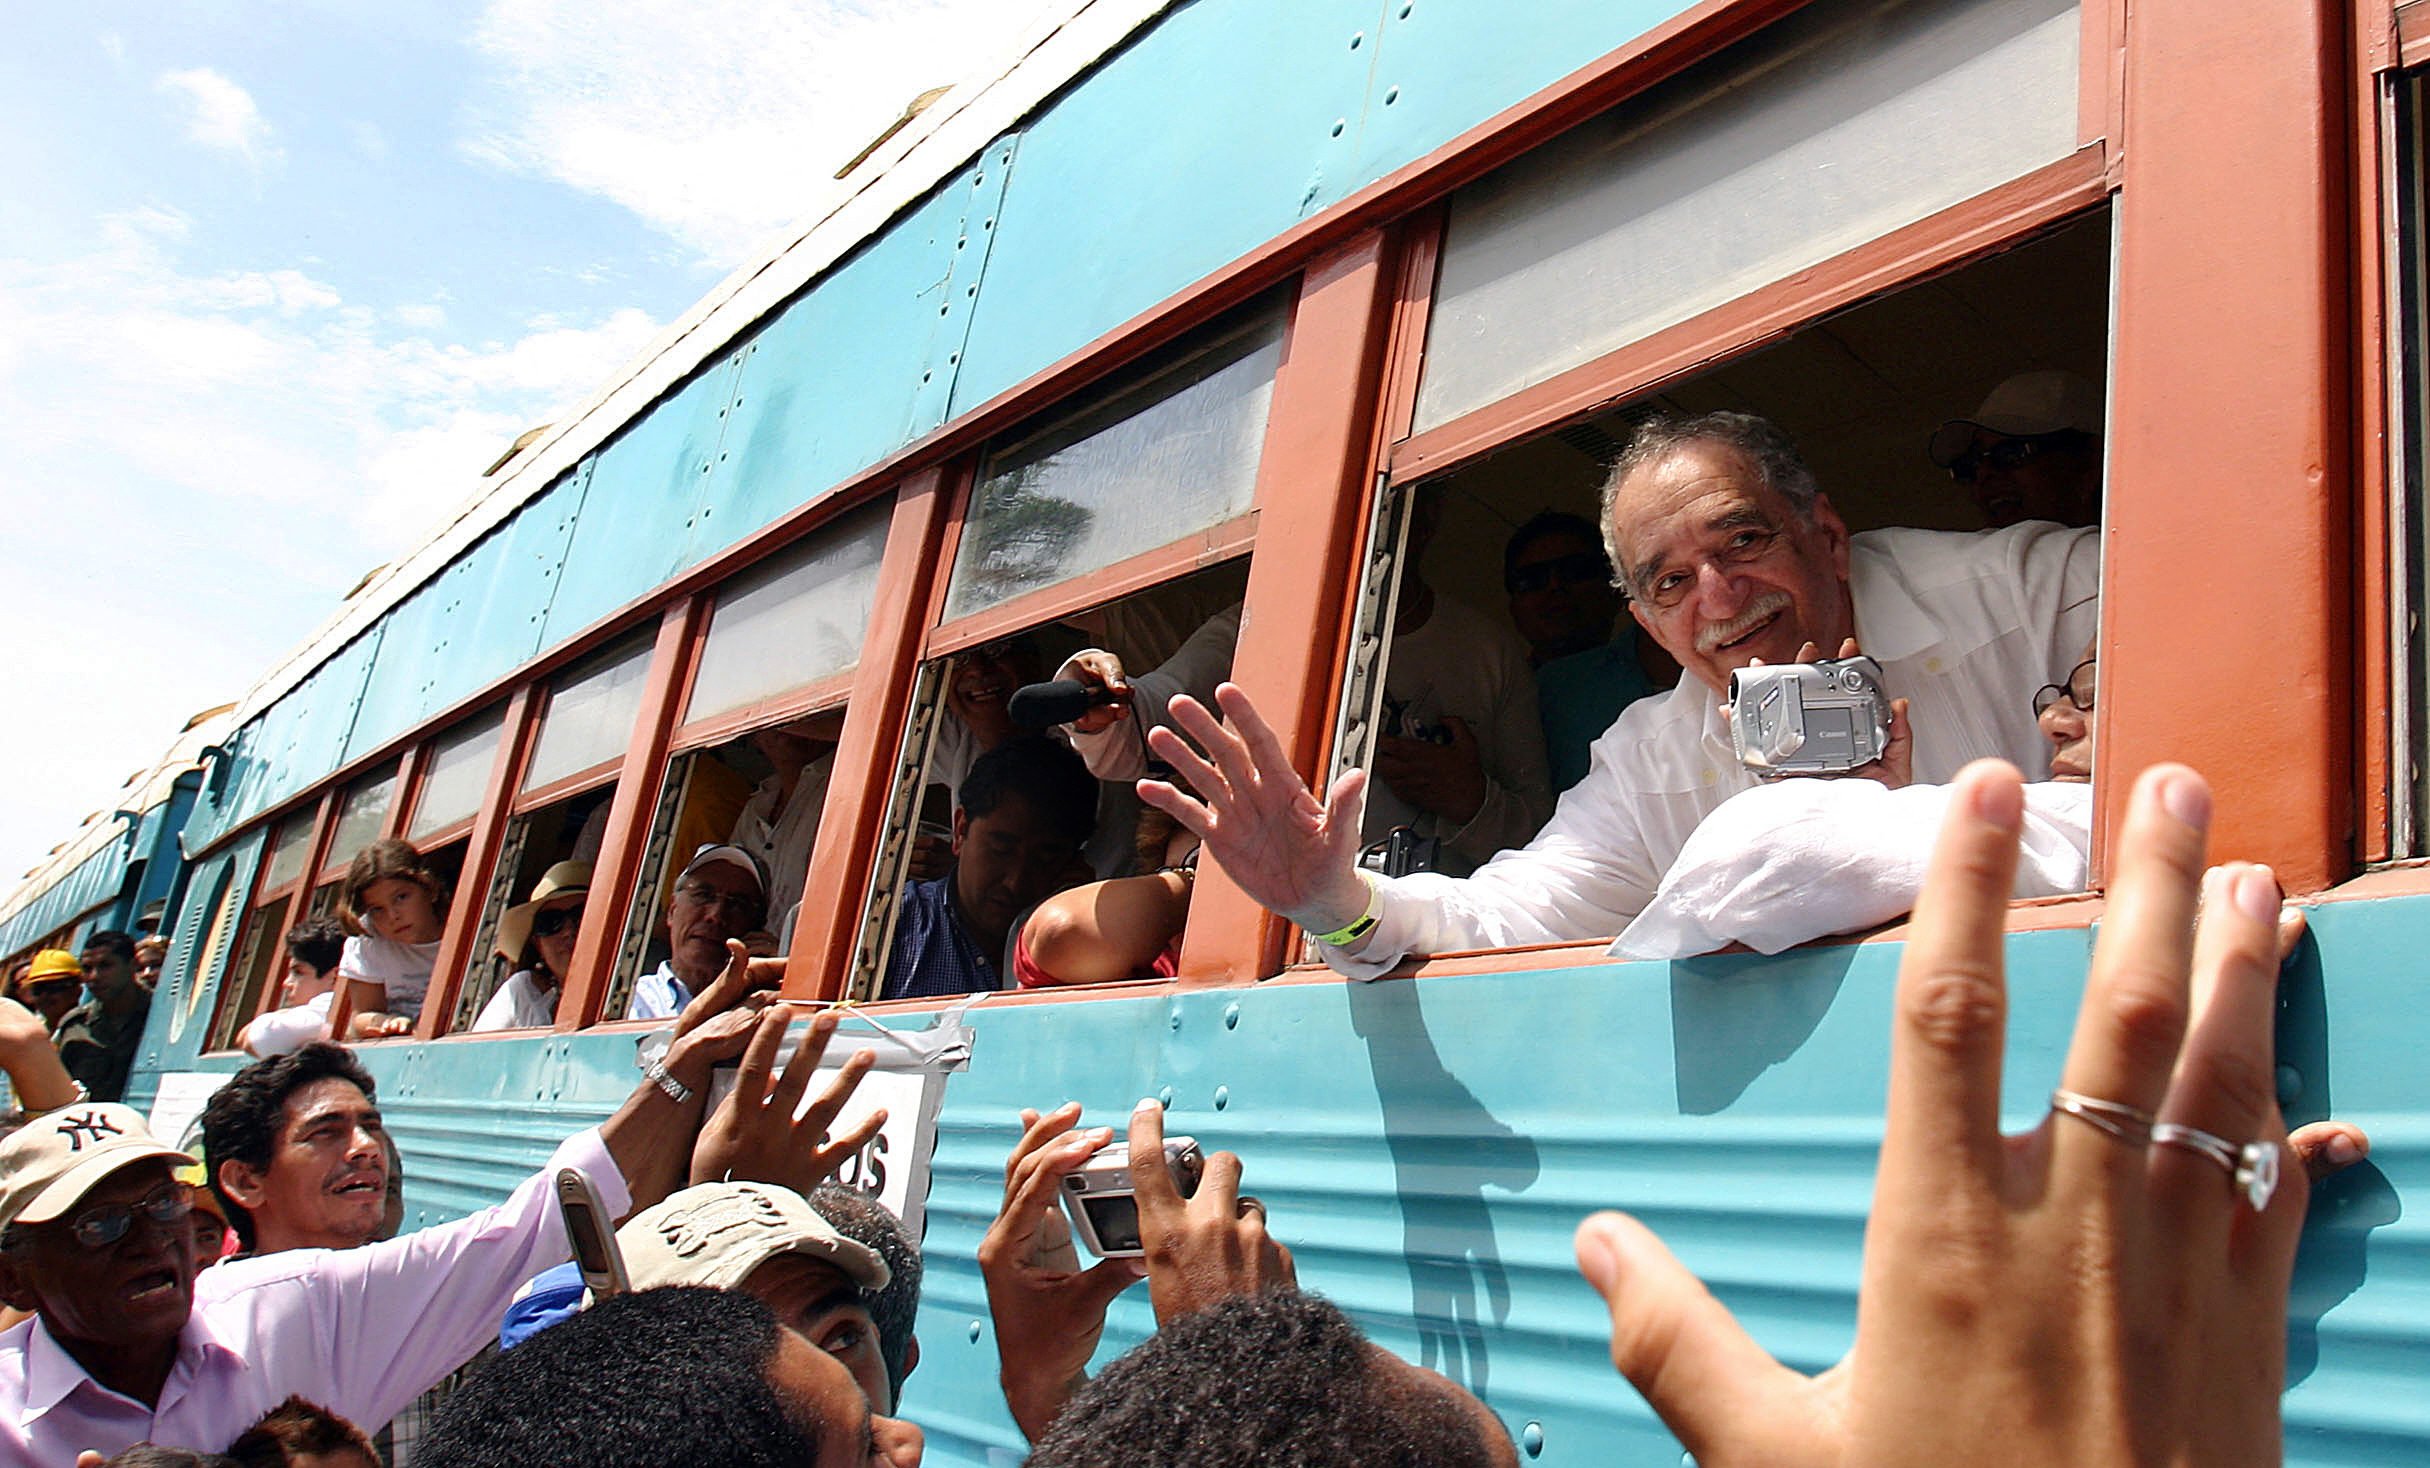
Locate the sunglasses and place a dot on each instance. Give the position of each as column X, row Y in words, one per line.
column 1578, row 568
column 2006, row 456
column 98, row 1228
column 555, row 920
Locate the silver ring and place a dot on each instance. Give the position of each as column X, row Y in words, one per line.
column 1247, row 1201
column 2129, row 1124
column 2252, row 1168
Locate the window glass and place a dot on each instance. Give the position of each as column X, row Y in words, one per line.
column 458, row 776
column 590, row 715
column 361, row 815
column 1867, row 117
column 795, row 620
column 289, row 850
column 1171, row 449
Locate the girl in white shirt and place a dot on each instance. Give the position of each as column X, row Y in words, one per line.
column 398, row 908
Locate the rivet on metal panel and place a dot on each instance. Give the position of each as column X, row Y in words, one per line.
column 1164, row 1097
column 1231, row 1016
column 976, row 1330
column 988, row 223
column 1174, row 1019
column 1357, row 40
column 977, row 179
column 952, row 358
column 2290, row 1085
column 944, row 310
column 1340, row 123
column 1391, row 95
column 924, row 378
column 1531, row 1437
column 1223, row 1097
column 959, row 243
column 1407, row 8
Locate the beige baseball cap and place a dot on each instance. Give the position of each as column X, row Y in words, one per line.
column 2024, row 406
column 717, row 1233
column 50, row 1163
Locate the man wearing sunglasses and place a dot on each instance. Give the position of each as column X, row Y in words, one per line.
column 2031, row 452
column 1563, row 602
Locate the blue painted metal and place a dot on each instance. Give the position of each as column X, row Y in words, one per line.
column 1427, row 1148
column 202, row 943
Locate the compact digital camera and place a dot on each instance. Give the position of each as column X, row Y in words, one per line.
column 1104, row 1204
column 1821, row 718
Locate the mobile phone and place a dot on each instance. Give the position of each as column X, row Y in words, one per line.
column 586, row 1228
column 1103, row 1202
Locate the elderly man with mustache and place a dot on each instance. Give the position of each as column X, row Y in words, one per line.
column 1729, row 553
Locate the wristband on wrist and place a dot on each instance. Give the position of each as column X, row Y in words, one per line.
column 1360, row 926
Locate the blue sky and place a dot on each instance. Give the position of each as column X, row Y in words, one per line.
column 277, row 281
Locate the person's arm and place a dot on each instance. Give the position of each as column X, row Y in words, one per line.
column 2093, row 1294
column 757, row 1135
column 35, row 1073
column 1049, row 1313
column 1105, row 741
column 1106, row 931
column 652, row 1134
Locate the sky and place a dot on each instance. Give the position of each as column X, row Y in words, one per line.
column 279, row 280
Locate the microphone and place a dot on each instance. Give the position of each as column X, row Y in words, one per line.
column 1044, row 705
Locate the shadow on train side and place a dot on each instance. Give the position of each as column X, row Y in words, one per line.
column 1456, row 1275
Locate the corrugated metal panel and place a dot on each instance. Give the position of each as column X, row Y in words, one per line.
column 1426, row 1150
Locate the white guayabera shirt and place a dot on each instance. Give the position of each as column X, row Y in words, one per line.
column 1965, row 627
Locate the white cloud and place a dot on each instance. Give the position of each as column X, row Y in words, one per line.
column 220, row 114
column 246, row 444
column 653, row 105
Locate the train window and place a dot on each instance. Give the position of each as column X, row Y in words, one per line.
column 2409, row 446
column 1869, row 116
column 1003, row 806
column 590, row 715
column 795, row 620
column 290, row 848
column 1494, row 652
column 457, row 777
column 252, row 983
column 362, row 816
column 1170, row 449
column 548, row 849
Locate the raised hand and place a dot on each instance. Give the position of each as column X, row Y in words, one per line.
column 755, row 1134
column 1209, row 1246
column 1049, row 1312
column 1257, row 818
column 1097, row 668
column 2098, row 1291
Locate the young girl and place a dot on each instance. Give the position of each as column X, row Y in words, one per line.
column 399, row 909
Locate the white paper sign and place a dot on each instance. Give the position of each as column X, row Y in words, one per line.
column 180, row 1100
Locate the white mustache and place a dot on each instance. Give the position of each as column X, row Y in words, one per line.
column 1738, row 626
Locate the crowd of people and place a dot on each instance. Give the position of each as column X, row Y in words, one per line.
column 256, row 1303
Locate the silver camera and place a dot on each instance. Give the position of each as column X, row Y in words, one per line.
column 1104, row 1204
column 1821, row 718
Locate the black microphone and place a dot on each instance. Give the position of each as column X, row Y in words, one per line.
column 1044, row 705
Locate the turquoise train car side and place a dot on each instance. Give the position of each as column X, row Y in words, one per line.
column 1186, row 304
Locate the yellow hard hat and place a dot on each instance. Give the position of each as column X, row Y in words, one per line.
column 54, row 963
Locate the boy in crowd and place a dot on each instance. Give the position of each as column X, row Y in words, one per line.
column 313, row 948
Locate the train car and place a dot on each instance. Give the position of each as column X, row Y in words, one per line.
column 1190, row 306
column 124, row 868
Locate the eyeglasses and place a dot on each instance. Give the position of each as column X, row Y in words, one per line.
column 551, row 921
column 2078, row 690
column 98, row 1228
column 2008, row 455
column 741, row 903
column 1579, row 568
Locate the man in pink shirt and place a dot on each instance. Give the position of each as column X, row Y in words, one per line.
column 130, row 1345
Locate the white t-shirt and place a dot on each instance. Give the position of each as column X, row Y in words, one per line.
column 283, row 1031
column 520, row 1004
column 404, row 968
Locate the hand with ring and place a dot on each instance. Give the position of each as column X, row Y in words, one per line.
column 2110, row 1287
column 1208, row 1246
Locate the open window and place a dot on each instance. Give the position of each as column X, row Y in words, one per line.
column 254, row 981
column 1120, row 525
column 752, row 757
column 1714, row 246
column 561, row 802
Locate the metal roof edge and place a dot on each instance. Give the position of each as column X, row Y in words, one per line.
column 1058, row 48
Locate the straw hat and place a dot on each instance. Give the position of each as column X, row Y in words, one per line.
column 565, row 879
